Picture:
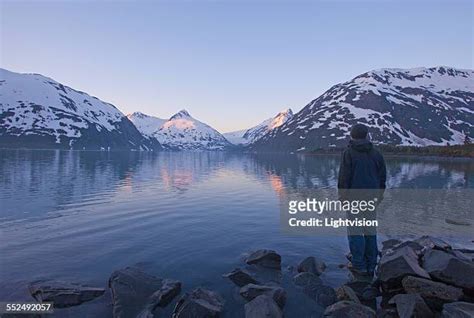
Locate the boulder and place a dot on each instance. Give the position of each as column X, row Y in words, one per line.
column 306, row 279
column 346, row 293
column 387, row 313
column 435, row 294
column 324, row 295
column 429, row 242
column 344, row 309
column 462, row 255
column 458, row 310
column 200, row 303
column 388, row 244
column 411, row 305
column 312, row 265
column 240, row 277
column 167, row 292
column 358, row 287
column 251, row 291
column 262, row 306
column 135, row 292
column 415, row 246
column 63, row 294
column 393, row 267
column 449, row 269
column 265, row 258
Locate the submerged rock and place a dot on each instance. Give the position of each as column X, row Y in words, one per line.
column 200, row 303
column 240, row 277
column 306, row 279
column 344, row 309
column 251, row 291
column 63, row 294
column 262, row 306
column 458, row 310
column 449, row 269
column 135, row 292
column 312, row 265
column 393, row 267
column 435, row 294
column 265, row 258
column 457, row 222
column 411, row 305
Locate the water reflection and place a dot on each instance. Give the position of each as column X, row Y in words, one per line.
column 188, row 215
column 48, row 180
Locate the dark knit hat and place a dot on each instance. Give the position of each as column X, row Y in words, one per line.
column 359, row 131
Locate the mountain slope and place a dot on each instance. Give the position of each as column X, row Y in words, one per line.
column 38, row 112
column 248, row 136
column 183, row 132
column 422, row 106
column 146, row 124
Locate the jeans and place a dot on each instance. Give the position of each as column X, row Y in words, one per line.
column 364, row 252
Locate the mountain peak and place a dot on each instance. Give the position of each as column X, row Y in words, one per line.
column 137, row 115
column 183, row 113
column 286, row 111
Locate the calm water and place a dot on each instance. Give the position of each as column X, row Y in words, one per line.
column 78, row 216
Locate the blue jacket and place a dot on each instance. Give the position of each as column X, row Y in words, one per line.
column 362, row 167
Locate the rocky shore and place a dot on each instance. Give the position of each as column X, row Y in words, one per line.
column 425, row 277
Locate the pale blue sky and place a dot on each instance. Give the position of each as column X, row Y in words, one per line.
column 229, row 63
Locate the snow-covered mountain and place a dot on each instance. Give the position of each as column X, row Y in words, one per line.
column 146, row 124
column 38, row 112
column 248, row 136
column 421, row 106
column 183, row 132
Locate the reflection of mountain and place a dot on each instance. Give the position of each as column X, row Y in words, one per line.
column 52, row 180
column 320, row 172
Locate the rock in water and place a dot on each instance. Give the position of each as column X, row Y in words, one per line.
column 415, row 246
column 324, row 295
column 458, row 310
column 449, row 269
column 251, row 291
column 135, row 292
column 312, row 265
column 240, row 277
column 262, row 306
column 435, row 294
column 200, row 303
column 388, row 244
column 344, row 309
column 393, row 267
column 411, row 305
column 63, row 294
column 265, row 258
column 433, row 243
column 457, row 222
column 306, row 279
column 163, row 296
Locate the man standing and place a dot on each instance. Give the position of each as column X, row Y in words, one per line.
column 362, row 175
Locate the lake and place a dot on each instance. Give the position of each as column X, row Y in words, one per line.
column 191, row 216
